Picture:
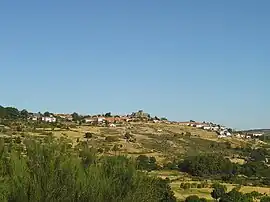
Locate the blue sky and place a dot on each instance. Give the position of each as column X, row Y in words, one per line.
column 202, row 60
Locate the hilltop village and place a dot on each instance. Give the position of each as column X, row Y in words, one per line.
column 110, row 120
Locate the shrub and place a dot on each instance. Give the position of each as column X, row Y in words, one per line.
column 146, row 163
column 88, row 135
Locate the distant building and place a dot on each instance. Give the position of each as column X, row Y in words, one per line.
column 257, row 134
column 49, row 119
column 140, row 114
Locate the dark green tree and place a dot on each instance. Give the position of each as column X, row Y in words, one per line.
column 108, row 114
column 218, row 191
column 75, row 116
column 47, row 114
column 24, row 114
column 235, row 196
column 88, row 135
column 192, row 198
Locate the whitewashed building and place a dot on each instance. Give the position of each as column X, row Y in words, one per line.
column 50, row 119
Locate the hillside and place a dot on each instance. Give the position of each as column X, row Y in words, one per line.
column 164, row 141
column 167, row 143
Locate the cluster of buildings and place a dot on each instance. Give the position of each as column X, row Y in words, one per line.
column 98, row 119
column 40, row 117
column 249, row 135
column 222, row 131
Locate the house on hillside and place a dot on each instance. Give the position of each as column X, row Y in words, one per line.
column 257, row 134
column 97, row 120
column 207, row 127
column 67, row 117
column 89, row 120
column 49, row 119
column 184, row 123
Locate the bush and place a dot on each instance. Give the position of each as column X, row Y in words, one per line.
column 144, row 162
column 88, row 135
column 51, row 170
column 194, row 198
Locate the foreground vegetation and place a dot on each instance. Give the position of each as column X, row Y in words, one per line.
column 51, row 170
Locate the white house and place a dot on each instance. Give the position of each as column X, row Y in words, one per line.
column 257, row 135
column 100, row 119
column 199, row 126
column 89, row 120
column 48, row 119
column 207, row 128
column 216, row 128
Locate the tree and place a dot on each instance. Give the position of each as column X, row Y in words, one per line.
column 88, row 135
column 108, row 114
column 208, row 165
column 12, row 113
column 192, row 198
column 218, row 191
column 75, row 116
column 146, row 163
column 235, row 196
column 47, row 114
column 24, row 114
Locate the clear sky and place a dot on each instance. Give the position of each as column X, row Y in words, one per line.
column 202, row 60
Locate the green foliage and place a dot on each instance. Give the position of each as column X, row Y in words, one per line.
column 255, row 169
column 108, row 114
column 24, row 114
column 194, row 198
column 265, row 199
column 9, row 113
column 51, row 170
column 208, row 165
column 75, row 116
column 218, row 191
column 235, row 196
column 47, row 114
column 146, row 163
